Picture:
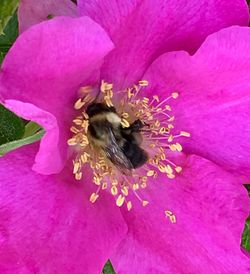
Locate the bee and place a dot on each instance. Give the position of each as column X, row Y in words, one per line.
column 120, row 145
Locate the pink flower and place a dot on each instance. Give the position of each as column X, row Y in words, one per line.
column 48, row 224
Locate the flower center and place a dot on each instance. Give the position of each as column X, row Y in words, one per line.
column 124, row 138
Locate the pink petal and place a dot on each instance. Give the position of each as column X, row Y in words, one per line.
column 142, row 30
column 31, row 12
column 210, row 208
column 45, row 68
column 49, row 158
column 48, row 224
column 214, row 102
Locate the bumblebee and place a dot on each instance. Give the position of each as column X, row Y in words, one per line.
column 120, row 145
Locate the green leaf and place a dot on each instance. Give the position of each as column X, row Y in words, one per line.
column 2, row 55
column 245, row 241
column 8, row 38
column 11, row 126
column 7, row 8
column 19, row 143
column 108, row 268
column 31, row 128
column 247, row 186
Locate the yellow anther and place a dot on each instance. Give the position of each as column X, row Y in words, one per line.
column 162, row 130
column 136, row 186
column 77, row 121
column 108, row 101
column 171, row 119
column 114, row 190
column 175, row 95
column 72, row 142
column 84, row 157
column 169, row 214
column 170, row 126
column 178, row 147
column 156, row 97
column 76, row 167
column 157, row 123
column 150, row 173
column 167, row 107
column 114, row 182
column 129, row 205
column 172, row 147
column 172, row 219
column 85, row 115
column 79, row 104
column 83, row 145
column 124, row 190
column 163, row 156
column 74, row 130
column 170, row 176
column 110, row 93
column 143, row 185
column 184, row 133
column 124, row 123
column 83, row 138
column 130, row 94
column 170, row 138
column 169, row 169
column 97, row 180
column 178, row 169
column 162, row 168
column 125, row 115
column 145, row 203
column 108, row 86
column 103, row 86
column 104, row 185
column 120, row 200
column 93, row 197
column 78, row 176
column 143, row 83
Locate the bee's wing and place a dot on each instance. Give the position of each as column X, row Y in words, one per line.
column 116, row 155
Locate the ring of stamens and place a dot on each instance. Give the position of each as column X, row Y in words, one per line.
column 157, row 136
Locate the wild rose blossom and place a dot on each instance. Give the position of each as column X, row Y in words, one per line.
column 47, row 222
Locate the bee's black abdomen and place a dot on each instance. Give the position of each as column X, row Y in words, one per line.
column 97, row 108
column 135, row 154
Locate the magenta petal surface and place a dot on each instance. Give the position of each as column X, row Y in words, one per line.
column 48, row 224
column 45, row 68
column 142, row 30
column 210, row 208
column 31, row 12
column 214, row 102
column 48, row 159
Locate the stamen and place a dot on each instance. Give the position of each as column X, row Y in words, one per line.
column 158, row 138
column 169, row 214
column 93, row 197
column 129, row 205
column 120, row 200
